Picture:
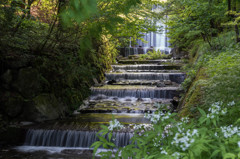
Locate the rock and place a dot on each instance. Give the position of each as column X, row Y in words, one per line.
column 161, row 84
column 7, row 77
column 140, row 99
column 26, row 123
column 112, row 82
column 12, row 104
column 133, row 56
column 167, row 82
column 30, row 82
column 140, row 50
column 175, row 84
column 150, row 49
column 86, row 102
column 44, row 107
column 175, row 102
column 177, row 54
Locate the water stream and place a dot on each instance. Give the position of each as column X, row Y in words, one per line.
column 127, row 102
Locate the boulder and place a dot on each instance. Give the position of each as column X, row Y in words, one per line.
column 29, row 82
column 12, row 104
column 44, row 107
column 167, row 82
column 161, row 84
column 7, row 77
column 177, row 54
column 175, row 102
column 112, row 82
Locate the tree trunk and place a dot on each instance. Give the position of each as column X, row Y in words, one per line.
column 236, row 26
column 237, row 33
column 229, row 5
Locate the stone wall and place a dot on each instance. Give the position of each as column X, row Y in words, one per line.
column 26, row 94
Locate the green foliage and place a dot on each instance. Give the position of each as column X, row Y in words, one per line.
column 67, row 57
column 192, row 20
column 224, row 72
column 153, row 55
column 78, row 11
column 214, row 135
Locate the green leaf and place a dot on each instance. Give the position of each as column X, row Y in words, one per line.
column 202, row 112
column 229, row 156
column 215, row 153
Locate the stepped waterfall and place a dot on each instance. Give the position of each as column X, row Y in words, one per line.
column 131, row 89
column 152, row 40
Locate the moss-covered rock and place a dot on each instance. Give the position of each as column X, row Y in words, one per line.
column 12, row 104
column 44, row 107
column 7, row 77
column 29, row 82
column 194, row 95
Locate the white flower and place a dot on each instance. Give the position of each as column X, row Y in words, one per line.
column 231, row 103
column 114, row 124
column 216, row 109
column 164, row 152
column 239, row 144
column 155, row 117
column 229, row 131
column 176, row 155
column 184, row 139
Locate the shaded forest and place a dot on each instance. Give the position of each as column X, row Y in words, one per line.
column 53, row 51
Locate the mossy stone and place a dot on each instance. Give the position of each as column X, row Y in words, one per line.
column 194, row 95
column 12, row 104
column 30, row 82
column 44, row 107
column 7, row 77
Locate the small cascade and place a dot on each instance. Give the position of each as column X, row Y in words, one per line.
column 143, row 67
column 137, row 93
column 71, row 138
column 174, row 77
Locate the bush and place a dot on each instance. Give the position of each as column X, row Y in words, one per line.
column 216, row 134
column 153, row 55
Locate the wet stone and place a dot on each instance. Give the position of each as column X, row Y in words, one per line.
column 167, row 82
column 161, row 84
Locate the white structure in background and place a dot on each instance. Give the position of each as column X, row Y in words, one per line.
column 158, row 40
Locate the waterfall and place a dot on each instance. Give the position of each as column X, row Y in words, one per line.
column 71, row 138
column 143, row 67
column 174, row 77
column 155, row 40
column 137, row 93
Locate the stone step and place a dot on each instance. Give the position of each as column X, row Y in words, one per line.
column 174, row 77
column 135, row 91
column 162, row 61
column 145, row 67
column 144, row 71
column 91, row 121
column 157, row 83
column 124, row 105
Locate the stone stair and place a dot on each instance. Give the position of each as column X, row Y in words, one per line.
column 135, row 87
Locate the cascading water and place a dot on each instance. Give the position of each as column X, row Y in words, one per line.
column 174, row 77
column 143, row 67
column 155, row 40
column 137, row 93
column 71, row 138
column 130, row 91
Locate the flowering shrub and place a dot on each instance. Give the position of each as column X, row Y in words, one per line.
column 210, row 136
column 114, row 124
